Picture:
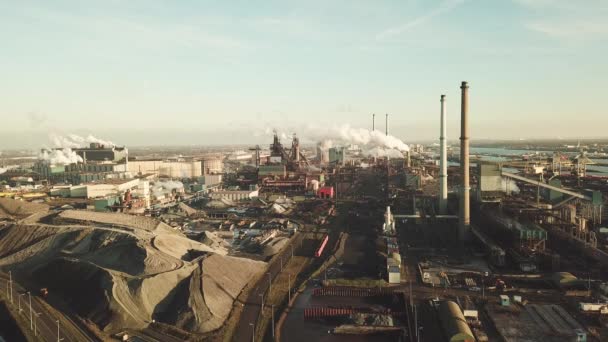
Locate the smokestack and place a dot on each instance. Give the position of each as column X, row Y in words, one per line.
column 373, row 122
column 464, row 218
column 386, row 124
column 443, row 163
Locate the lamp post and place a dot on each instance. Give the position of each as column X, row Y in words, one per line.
column 20, row 295
column 269, row 282
column 10, row 276
column 252, row 332
column 36, row 314
column 29, row 294
column 272, row 318
column 58, row 339
column 262, row 295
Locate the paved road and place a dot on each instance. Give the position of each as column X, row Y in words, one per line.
column 253, row 303
column 46, row 323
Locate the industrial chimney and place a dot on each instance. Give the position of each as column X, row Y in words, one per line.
column 373, row 122
column 464, row 218
column 443, row 163
column 386, row 124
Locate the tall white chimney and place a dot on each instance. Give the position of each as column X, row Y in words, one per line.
column 443, row 162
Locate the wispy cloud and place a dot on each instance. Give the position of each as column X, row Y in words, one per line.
column 575, row 29
column 136, row 31
column 568, row 20
column 443, row 7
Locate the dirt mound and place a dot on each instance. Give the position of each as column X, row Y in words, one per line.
column 125, row 278
column 16, row 209
column 213, row 240
column 123, row 253
column 83, row 286
column 115, row 219
column 189, row 211
column 223, row 279
column 275, row 245
column 24, row 246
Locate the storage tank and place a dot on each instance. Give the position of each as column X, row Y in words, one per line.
column 212, row 166
column 453, row 322
column 565, row 279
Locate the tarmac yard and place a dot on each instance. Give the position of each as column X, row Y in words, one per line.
column 359, row 264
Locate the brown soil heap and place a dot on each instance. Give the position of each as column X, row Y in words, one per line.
column 125, row 271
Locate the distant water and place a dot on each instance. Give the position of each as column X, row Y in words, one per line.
column 498, row 154
column 499, row 151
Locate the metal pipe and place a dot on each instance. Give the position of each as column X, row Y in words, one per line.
column 443, row 162
column 465, row 210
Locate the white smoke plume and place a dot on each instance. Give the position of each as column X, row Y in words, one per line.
column 325, row 145
column 383, row 152
column 60, row 156
column 74, row 141
column 345, row 135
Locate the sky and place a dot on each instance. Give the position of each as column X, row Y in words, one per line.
column 193, row 72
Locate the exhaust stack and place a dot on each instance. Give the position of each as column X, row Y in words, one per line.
column 373, row 122
column 386, row 124
column 465, row 211
column 443, row 163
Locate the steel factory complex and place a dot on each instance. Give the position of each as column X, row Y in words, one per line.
column 341, row 239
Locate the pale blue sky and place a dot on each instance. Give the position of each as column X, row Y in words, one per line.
column 195, row 68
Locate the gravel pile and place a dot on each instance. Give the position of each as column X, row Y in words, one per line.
column 16, row 209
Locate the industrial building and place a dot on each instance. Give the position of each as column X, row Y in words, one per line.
column 166, row 168
column 94, row 190
column 99, row 152
column 77, row 173
column 336, row 155
column 491, row 187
